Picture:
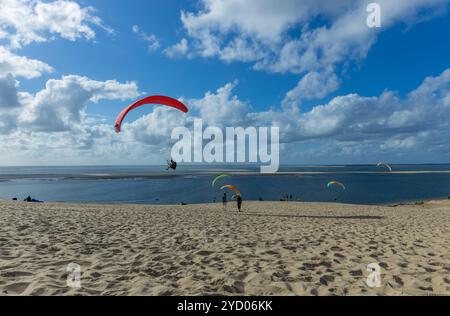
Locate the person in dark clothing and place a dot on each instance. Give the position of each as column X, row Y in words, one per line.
column 31, row 200
column 224, row 201
column 239, row 202
column 171, row 165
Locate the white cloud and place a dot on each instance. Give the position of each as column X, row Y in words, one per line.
column 26, row 21
column 297, row 36
column 61, row 105
column 52, row 126
column 347, row 125
column 384, row 121
column 155, row 129
column 351, row 128
column 269, row 28
column 221, row 108
column 314, row 85
column 265, row 20
column 20, row 66
column 178, row 50
column 151, row 39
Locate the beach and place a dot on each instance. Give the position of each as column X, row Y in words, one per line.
column 271, row 248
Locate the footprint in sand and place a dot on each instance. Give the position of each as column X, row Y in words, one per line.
column 398, row 280
column 356, row 273
column 204, row 253
column 16, row 288
column 339, row 255
column 326, row 279
column 15, row 274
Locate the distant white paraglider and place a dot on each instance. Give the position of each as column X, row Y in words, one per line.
column 384, row 165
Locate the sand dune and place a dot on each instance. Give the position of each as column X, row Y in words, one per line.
column 273, row 248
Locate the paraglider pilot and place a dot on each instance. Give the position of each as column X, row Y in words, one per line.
column 224, row 201
column 239, row 202
column 171, row 165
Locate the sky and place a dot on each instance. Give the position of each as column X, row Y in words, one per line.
column 340, row 91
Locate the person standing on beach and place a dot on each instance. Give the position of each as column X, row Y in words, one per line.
column 239, row 202
column 224, row 201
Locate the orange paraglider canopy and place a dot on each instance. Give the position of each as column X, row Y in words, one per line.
column 232, row 188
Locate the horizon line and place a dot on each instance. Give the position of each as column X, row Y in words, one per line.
column 222, row 164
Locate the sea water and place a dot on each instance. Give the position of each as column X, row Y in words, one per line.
column 365, row 184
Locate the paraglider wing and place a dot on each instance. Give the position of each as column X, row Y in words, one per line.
column 385, row 165
column 331, row 183
column 219, row 177
column 232, row 188
column 156, row 99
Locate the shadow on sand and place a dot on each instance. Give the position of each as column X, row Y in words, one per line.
column 314, row 217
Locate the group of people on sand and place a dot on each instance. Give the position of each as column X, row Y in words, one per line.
column 225, row 202
column 287, row 198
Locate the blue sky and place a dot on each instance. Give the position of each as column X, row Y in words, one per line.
column 308, row 71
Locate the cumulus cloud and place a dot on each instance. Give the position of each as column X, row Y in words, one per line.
column 20, row 66
column 53, row 126
column 347, row 125
column 265, row 27
column 314, row 85
column 61, row 105
column 351, row 128
column 385, row 123
column 296, row 36
column 155, row 129
column 23, row 22
column 222, row 108
column 178, row 50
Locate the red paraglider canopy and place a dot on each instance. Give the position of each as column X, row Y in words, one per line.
column 155, row 99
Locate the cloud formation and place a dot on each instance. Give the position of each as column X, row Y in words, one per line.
column 308, row 38
column 180, row 49
column 348, row 127
column 20, row 66
column 23, row 22
column 60, row 107
column 313, row 39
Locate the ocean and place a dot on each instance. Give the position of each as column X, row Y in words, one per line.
column 365, row 184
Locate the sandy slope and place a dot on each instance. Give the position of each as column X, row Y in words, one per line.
column 273, row 248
